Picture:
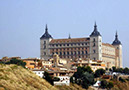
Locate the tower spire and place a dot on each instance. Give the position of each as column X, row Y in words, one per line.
column 46, row 35
column 116, row 41
column 46, row 29
column 116, row 35
column 95, row 32
column 69, row 37
column 95, row 27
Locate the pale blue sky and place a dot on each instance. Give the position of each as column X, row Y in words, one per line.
column 22, row 22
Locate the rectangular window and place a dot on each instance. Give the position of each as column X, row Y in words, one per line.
column 94, row 51
column 44, row 42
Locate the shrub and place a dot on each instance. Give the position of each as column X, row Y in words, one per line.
column 48, row 78
column 17, row 62
column 103, row 84
column 99, row 72
column 110, row 85
column 121, row 79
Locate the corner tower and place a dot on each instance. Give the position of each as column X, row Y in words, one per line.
column 117, row 44
column 95, row 45
column 44, row 44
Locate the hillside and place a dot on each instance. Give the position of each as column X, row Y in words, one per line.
column 13, row 77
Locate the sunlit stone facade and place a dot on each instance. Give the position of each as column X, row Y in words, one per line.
column 87, row 48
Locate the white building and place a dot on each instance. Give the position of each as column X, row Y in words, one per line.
column 64, row 80
column 40, row 73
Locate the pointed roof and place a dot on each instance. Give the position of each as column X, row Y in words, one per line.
column 116, row 41
column 95, row 32
column 46, row 35
column 69, row 37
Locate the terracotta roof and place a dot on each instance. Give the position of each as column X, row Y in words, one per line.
column 107, row 44
column 72, row 40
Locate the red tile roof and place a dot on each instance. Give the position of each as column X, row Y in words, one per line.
column 73, row 40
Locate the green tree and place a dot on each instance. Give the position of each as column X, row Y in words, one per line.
column 48, row 78
column 121, row 79
column 103, row 84
column 87, row 80
column 84, row 76
column 87, row 69
column 114, row 69
column 99, row 72
column 17, row 62
column 126, row 70
column 110, row 85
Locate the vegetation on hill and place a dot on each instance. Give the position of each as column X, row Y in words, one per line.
column 84, row 77
column 17, row 62
column 13, row 77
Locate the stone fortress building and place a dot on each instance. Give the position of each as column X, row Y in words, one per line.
column 90, row 47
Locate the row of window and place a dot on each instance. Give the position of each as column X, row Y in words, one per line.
column 72, row 44
column 71, row 53
column 69, row 49
column 79, row 56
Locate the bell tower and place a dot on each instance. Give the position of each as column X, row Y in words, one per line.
column 95, row 44
column 117, row 44
column 44, row 45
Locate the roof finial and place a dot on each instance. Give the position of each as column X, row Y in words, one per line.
column 46, row 29
column 116, row 35
column 95, row 27
column 116, row 41
column 69, row 36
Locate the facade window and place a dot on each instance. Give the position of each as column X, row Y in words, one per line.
column 67, row 53
column 94, row 40
column 64, row 53
column 67, row 44
column 94, row 51
column 94, row 58
column 44, row 42
column 71, row 53
column 60, row 53
column 94, row 45
column 75, row 52
column 56, row 44
column 79, row 52
column 71, row 44
column 82, row 52
column 44, row 53
column 86, row 52
column 85, row 43
column 44, row 47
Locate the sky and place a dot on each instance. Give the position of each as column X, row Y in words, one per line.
column 22, row 23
